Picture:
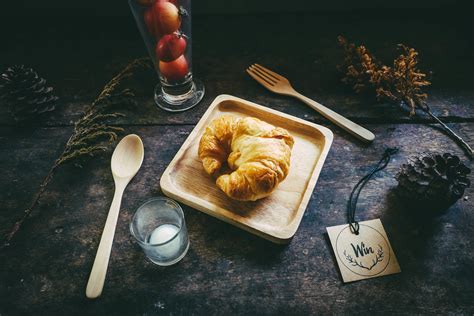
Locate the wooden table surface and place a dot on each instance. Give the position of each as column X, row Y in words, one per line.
column 227, row 270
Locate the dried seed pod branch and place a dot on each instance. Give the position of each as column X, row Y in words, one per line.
column 92, row 133
column 403, row 82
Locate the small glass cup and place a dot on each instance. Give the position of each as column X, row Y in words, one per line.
column 165, row 26
column 159, row 228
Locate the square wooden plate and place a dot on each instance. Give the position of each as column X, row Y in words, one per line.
column 275, row 217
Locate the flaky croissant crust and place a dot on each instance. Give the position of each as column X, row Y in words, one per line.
column 257, row 152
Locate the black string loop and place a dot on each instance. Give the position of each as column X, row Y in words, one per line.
column 352, row 203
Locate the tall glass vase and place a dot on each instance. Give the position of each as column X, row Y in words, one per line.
column 165, row 26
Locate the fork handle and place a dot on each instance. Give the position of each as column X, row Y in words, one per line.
column 353, row 128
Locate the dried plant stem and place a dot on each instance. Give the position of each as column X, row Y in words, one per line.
column 34, row 203
column 465, row 146
column 87, row 137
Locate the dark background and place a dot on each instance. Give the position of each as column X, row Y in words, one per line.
column 39, row 19
column 120, row 7
column 56, row 20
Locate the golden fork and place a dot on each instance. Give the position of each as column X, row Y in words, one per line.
column 280, row 85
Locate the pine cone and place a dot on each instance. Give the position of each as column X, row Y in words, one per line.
column 433, row 181
column 25, row 93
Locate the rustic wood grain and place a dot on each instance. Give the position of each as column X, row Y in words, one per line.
column 26, row 157
column 228, row 270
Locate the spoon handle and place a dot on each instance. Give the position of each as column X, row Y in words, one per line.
column 101, row 262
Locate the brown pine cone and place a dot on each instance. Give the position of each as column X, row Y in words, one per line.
column 25, row 93
column 433, row 181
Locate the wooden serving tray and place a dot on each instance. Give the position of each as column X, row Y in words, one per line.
column 275, row 217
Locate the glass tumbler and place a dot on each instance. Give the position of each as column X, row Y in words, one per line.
column 159, row 228
column 165, row 26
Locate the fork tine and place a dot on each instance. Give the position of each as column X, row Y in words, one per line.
column 259, row 79
column 269, row 72
column 263, row 74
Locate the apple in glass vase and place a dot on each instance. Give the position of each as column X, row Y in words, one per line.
column 150, row 2
column 170, row 47
column 162, row 18
column 174, row 71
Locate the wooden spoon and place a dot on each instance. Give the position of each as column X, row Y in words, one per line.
column 126, row 160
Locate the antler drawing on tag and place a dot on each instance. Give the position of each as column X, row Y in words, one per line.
column 378, row 258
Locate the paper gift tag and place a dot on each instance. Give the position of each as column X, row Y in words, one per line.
column 363, row 256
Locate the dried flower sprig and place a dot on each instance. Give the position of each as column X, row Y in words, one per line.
column 403, row 82
column 92, row 133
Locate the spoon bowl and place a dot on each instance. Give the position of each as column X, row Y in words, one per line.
column 127, row 157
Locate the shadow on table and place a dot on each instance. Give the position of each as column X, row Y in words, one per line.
column 333, row 256
column 410, row 231
column 222, row 240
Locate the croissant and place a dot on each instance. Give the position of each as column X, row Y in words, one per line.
column 258, row 154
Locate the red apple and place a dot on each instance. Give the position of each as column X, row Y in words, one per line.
column 150, row 2
column 162, row 18
column 175, row 2
column 166, row 17
column 149, row 19
column 175, row 70
column 170, row 47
